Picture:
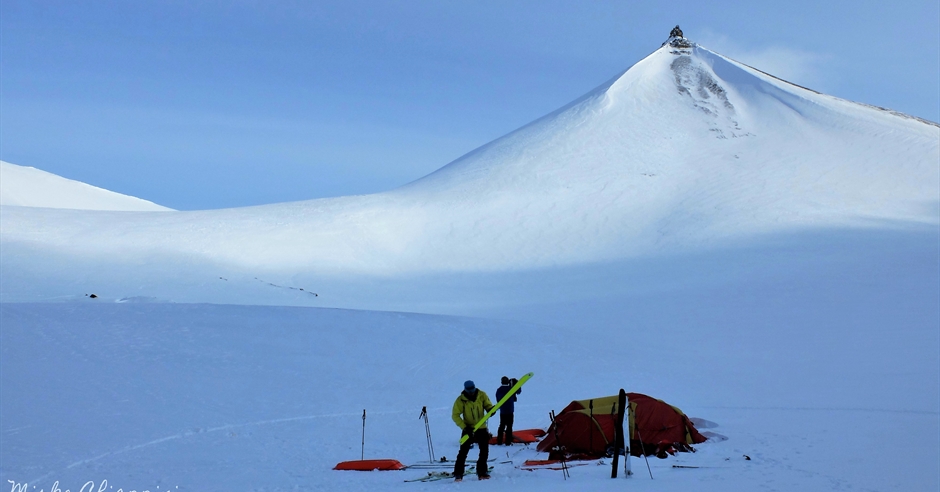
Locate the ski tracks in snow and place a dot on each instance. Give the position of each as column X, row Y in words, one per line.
column 200, row 431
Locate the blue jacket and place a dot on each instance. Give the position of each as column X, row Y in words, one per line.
column 510, row 406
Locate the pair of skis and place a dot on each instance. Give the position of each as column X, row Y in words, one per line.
column 438, row 465
column 444, row 475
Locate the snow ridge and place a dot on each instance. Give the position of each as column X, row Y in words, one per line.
column 23, row 186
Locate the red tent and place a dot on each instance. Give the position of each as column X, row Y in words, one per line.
column 585, row 428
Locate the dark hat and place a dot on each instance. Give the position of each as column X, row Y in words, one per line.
column 505, row 380
column 469, row 386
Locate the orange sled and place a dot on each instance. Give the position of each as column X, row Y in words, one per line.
column 370, row 465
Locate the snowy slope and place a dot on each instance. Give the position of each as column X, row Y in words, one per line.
column 29, row 187
column 763, row 256
column 827, row 378
column 683, row 151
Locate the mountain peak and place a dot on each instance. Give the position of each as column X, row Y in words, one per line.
column 677, row 39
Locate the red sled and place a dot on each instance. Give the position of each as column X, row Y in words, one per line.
column 532, row 432
column 525, row 436
column 370, row 465
column 540, row 462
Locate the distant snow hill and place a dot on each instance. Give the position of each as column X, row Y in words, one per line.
column 30, row 187
column 687, row 150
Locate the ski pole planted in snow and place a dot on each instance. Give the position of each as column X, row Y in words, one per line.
column 591, row 428
column 639, row 437
column 559, row 447
column 427, row 431
column 368, row 465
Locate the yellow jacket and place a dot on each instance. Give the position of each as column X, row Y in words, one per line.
column 467, row 413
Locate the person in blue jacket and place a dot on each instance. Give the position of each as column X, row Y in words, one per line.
column 506, row 411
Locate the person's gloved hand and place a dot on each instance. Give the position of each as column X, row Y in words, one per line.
column 468, row 431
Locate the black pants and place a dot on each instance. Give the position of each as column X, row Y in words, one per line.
column 482, row 439
column 505, row 426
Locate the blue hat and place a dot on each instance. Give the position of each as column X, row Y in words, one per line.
column 469, row 386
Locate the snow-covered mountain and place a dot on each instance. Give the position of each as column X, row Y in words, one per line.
column 30, row 187
column 761, row 255
column 686, row 149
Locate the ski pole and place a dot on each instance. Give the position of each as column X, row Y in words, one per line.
column 591, row 435
column 427, row 427
column 362, row 455
column 559, row 447
column 643, row 448
column 427, row 432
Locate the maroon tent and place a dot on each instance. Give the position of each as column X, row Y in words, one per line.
column 585, row 428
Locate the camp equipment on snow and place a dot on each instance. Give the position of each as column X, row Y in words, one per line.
column 655, row 427
column 427, row 432
column 618, row 432
column 645, row 457
column 443, row 475
column 368, row 465
column 525, row 436
column 559, row 448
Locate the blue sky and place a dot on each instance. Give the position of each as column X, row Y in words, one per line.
column 199, row 105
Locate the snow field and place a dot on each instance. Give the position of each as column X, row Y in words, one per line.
column 760, row 255
column 823, row 372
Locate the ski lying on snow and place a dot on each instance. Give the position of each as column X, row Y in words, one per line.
column 438, row 464
column 550, row 467
column 444, row 475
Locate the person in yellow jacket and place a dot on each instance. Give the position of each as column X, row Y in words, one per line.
column 470, row 407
